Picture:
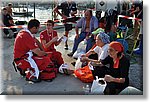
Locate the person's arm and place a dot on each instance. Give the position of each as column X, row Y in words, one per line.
column 77, row 32
column 79, row 24
column 136, row 10
column 10, row 20
column 58, row 42
column 94, row 61
column 38, row 52
column 84, row 57
column 39, row 44
column 95, row 23
column 90, row 52
column 109, row 78
column 58, row 39
column 57, row 11
column 46, row 45
column 73, row 13
column 89, row 60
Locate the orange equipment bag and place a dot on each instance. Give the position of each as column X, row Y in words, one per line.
column 84, row 74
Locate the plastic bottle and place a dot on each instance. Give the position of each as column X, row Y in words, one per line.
column 85, row 41
column 87, row 89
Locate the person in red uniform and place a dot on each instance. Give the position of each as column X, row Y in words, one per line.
column 49, row 39
column 25, row 42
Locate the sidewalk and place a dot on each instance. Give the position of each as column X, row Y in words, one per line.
column 13, row 83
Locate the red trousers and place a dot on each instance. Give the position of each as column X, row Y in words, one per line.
column 41, row 61
column 56, row 58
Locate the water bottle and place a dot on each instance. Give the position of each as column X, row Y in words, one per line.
column 85, row 41
column 87, row 89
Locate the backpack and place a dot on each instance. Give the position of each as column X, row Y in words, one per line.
column 48, row 74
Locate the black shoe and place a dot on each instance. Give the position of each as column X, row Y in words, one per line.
column 22, row 72
column 15, row 34
column 8, row 36
column 50, row 80
column 73, row 63
column 70, row 54
column 66, row 47
column 35, row 80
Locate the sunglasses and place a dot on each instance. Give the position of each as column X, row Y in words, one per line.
column 49, row 24
column 111, row 50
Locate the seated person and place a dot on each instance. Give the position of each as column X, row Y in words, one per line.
column 112, row 33
column 49, row 39
column 116, row 76
column 102, row 42
column 88, row 24
column 8, row 21
column 25, row 42
column 101, row 49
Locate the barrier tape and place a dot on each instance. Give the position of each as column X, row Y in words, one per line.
column 55, row 21
column 127, row 17
column 22, row 26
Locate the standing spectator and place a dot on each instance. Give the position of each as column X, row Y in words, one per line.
column 8, row 21
column 138, row 12
column 116, row 75
column 111, row 16
column 9, row 9
column 49, row 39
column 126, row 12
column 26, row 43
column 88, row 24
column 68, row 8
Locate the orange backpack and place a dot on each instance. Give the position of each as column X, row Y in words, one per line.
column 84, row 74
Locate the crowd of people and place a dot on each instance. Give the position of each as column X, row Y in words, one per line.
column 105, row 50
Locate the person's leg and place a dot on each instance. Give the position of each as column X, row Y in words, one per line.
column 90, row 43
column 76, row 43
column 111, row 89
column 26, row 70
column 99, row 71
column 6, row 32
column 15, row 32
column 23, row 64
column 42, row 62
column 56, row 57
column 66, row 44
column 68, row 27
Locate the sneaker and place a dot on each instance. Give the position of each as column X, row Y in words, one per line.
column 35, row 80
column 70, row 54
column 66, row 47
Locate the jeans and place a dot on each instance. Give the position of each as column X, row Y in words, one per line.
column 82, row 36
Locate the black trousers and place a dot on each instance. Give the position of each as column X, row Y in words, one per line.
column 6, row 30
column 99, row 71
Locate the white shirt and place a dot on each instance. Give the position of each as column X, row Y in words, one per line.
column 101, row 51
